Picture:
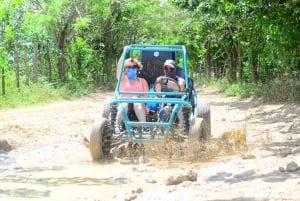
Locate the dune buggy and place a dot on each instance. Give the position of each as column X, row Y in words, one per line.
column 103, row 136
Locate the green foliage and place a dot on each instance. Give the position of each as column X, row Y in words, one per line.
column 82, row 24
column 280, row 90
column 242, row 90
column 39, row 93
column 237, row 43
column 75, row 89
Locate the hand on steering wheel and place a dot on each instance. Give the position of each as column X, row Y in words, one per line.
column 166, row 84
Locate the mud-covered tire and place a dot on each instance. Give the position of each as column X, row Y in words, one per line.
column 203, row 111
column 200, row 130
column 99, row 137
column 203, row 108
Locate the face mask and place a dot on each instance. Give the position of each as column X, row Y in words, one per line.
column 131, row 73
column 170, row 74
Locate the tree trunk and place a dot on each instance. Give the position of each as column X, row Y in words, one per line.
column 230, row 67
column 207, row 60
column 233, row 64
column 239, row 62
column 61, row 65
column 26, row 60
column 62, row 54
column 17, row 63
column 254, row 70
column 109, row 64
column 231, row 61
column 35, row 63
column 228, row 62
column 49, row 63
column 62, row 44
column 254, row 63
column 216, row 71
column 3, row 81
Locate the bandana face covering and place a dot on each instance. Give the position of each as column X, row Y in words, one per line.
column 170, row 74
column 131, row 73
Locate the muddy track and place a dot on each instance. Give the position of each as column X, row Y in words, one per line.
column 50, row 162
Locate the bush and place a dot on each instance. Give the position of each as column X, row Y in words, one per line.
column 280, row 90
column 242, row 90
column 277, row 90
column 39, row 93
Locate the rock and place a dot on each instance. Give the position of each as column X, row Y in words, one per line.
column 130, row 197
column 248, row 156
column 296, row 151
column 292, row 167
column 285, row 151
column 281, row 169
column 133, row 194
column 4, row 146
column 285, row 129
column 139, row 190
column 297, row 142
column 174, row 180
column 151, row 180
column 86, row 142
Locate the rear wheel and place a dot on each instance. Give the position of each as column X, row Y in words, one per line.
column 100, row 140
column 200, row 130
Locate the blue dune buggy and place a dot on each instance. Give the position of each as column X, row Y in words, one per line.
column 103, row 136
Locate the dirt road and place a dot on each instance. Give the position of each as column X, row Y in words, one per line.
column 50, row 162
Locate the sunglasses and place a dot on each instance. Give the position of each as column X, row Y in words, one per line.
column 133, row 67
column 169, row 68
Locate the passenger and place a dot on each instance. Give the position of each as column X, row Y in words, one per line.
column 177, row 85
column 131, row 83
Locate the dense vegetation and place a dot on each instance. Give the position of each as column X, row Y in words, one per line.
column 56, row 48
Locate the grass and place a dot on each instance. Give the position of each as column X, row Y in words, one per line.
column 36, row 94
column 241, row 90
column 277, row 90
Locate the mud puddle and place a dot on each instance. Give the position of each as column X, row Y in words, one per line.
column 42, row 172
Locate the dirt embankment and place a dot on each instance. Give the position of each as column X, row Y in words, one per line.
column 49, row 161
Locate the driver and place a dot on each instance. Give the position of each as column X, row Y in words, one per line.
column 170, row 72
column 170, row 68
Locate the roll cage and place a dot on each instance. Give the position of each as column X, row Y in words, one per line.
column 176, row 52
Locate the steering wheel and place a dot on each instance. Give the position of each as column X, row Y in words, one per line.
column 166, row 84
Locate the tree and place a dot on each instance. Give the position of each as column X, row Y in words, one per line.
column 253, row 33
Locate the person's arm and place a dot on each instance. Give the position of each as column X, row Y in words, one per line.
column 145, row 87
column 119, row 66
column 158, row 86
column 181, row 83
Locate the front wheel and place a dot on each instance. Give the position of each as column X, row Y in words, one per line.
column 200, row 130
column 106, row 107
column 203, row 109
column 100, row 140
